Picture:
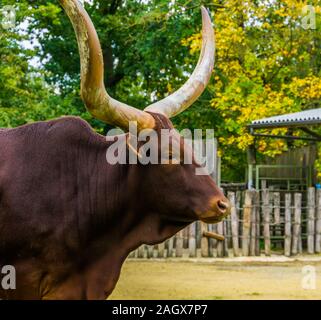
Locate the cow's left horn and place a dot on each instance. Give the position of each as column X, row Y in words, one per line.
column 93, row 91
column 195, row 86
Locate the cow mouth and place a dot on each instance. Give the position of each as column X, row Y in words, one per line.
column 213, row 220
column 214, row 217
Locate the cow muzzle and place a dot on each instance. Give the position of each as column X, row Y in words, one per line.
column 219, row 209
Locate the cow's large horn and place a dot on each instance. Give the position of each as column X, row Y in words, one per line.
column 93, row 91
column 194, row 87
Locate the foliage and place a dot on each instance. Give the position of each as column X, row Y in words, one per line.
column 25, row 96
column 267, row 64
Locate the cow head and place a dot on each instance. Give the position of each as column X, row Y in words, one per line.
column 188, row 196
column 174, row 185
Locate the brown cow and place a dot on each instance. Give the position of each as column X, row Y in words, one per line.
column 68, row 218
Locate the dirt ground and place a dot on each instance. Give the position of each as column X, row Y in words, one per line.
column 215, row 280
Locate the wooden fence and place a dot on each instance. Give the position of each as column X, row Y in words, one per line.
column 261, row 222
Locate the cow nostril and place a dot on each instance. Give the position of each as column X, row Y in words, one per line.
column 223, row 206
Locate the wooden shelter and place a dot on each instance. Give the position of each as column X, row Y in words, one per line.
column 293, row 170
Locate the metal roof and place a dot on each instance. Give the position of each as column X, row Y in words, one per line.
column 308, row 117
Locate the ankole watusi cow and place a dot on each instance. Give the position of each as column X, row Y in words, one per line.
column 68, row 218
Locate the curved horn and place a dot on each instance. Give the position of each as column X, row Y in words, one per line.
column 93, row 91
column 195, row 86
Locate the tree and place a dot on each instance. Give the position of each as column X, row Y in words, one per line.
column 267, row 64
column 24, row 95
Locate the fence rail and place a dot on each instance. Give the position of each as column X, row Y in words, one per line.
column 261, row 222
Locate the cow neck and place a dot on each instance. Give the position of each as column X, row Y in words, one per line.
column 117, row 216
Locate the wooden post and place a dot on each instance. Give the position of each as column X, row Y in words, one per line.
column 204, row 241
column 214, row 242
column 140, row 251
column 253, row 225
column 179, row 244
column 238, row 197
column 170, row 243
column 246, row 222
column 266, row 217
column 225, row 241
column 220, row 247
column 161, row 250
column 239, row 213
column 192, row 240
column 229, row 231
column 186, row 237
column 150, row 251
column 258, row 222
column 277, row 216
column 277, row 219
column 311, row 220
column 234, row 224
column 276, row 209
column 210, row 242
column 287, row 228
column 300, row 249
column 297, row 222
column 318, row 223
column 135, row 254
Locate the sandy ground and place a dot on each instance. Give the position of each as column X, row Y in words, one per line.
column 215, row 280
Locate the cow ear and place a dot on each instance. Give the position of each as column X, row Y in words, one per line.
column 132, row 146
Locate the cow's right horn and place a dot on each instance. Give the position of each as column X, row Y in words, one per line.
column 180, row 100
column 93, row 91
